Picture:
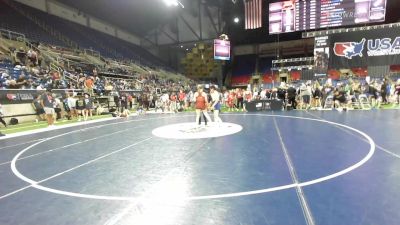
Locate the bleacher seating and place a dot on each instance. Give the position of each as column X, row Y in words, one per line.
column 12, row 20
column 8, row 67
column 85, row 37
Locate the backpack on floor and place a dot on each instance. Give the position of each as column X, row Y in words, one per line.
column 13, row 121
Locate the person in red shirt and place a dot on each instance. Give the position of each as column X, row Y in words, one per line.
column 130, row 101
column 201, row 104
column 182, row 97
column 173, row 100
column 231, row 100
column 89, row 85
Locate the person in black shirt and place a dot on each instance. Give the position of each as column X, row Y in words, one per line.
column 291, row 95
column 124, row 103
column 373, row 94
column 316, row 96
column 117, row 101
column 88, row 103
column 384, row 93
column 339, row 97
column 145, row 102
column 281, row 93
column 80, row 107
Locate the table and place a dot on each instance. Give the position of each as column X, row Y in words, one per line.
column 264, row 105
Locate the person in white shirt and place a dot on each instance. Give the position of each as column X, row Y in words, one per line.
column 263, row 94
column 165, row 101
column 215, row 104
column 225, row 98
column 190, row 98
column 71, row 102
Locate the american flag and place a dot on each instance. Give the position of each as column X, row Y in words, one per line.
column 253, row 14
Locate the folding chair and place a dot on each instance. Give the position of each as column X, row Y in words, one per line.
column 329, row 103
column 364, row 102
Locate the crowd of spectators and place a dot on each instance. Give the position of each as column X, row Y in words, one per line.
column 342, row 94
column 166, row 94
column 19, row 76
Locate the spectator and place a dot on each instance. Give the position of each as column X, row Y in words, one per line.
column 182, row 98
column 80, row 107
column 57, row 104
column 20, row 56
column 145, row 102
column 88, row 103
column 373, row 94
column 239, row 97
column 124, row 102
column 47, row 104
column 384, row 91
column 71, row 103
column 305, row 94
column 339, row 98
column 37, row 106
column 291, row 95
column 317, row 95
column 89, row 85
column 173, row 104
column 397, row 91
column 130, row 101
column 32, row 56
column 21, row 81
column 55, row 79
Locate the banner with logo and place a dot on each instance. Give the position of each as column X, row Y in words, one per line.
column 376, row 47
column 17, row 96
column 321, row 55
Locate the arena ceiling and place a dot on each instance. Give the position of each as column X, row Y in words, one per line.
column 138, row 16
column 148, row 17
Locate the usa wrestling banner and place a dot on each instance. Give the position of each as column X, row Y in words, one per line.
column 375, row 47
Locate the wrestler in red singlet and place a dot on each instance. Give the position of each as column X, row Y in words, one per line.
column 201, row 102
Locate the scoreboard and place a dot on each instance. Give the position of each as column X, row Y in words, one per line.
column 299, row 15
column 222, row 49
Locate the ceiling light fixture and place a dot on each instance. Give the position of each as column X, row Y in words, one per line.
column 173, row 3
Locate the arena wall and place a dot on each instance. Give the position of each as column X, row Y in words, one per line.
column 38, row 4
column 65, row 13
column 23, row 112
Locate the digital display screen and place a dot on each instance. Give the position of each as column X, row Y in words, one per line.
column 299, row 15
column 222, row 50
